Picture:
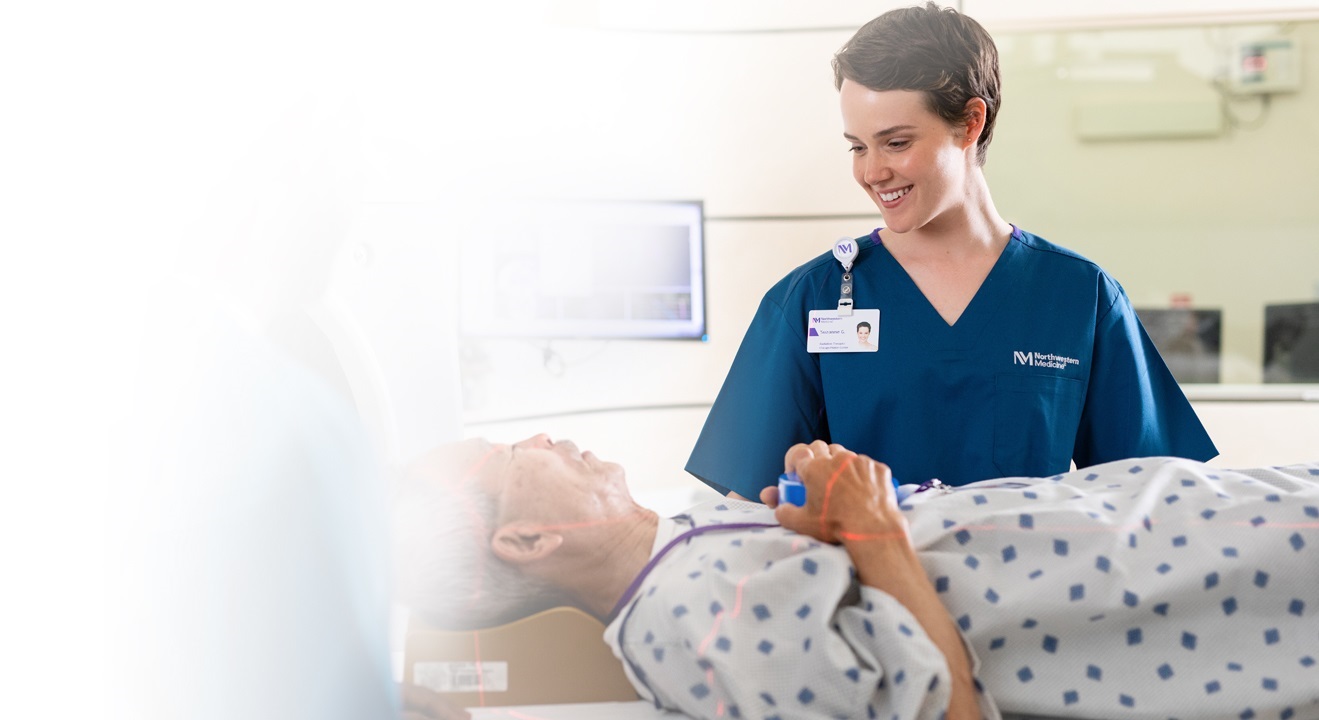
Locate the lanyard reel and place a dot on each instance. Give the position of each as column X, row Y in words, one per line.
column 845, row 250
column 846, row 329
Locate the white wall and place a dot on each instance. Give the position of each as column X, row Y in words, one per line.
column 1229, row 219
column 1257, row 434
column 743, row 15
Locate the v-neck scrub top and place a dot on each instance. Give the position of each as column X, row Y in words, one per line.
column 1047, row 364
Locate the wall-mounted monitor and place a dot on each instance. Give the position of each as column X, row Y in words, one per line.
column 606, row 269
column 1291, row 343
column 1189, row 339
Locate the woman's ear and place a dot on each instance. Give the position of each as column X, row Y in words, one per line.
column 975, row 112
column 522, row 544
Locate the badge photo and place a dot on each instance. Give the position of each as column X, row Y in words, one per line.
column 828, row 331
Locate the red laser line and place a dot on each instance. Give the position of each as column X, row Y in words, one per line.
column 710, row 638
column 870, row 536
column 1048, row 528
column 1131, row 527
column 472, row 469
column 829, row 490
column 737, row 604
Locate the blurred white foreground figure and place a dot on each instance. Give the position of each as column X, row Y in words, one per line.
column 255, row 578
column 1147, row 588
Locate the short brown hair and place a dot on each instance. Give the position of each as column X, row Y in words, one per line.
column 934, row 50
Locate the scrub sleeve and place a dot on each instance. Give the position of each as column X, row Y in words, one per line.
column 1134, row 406
column 771, row 400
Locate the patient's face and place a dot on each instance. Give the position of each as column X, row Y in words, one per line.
column 541, row 480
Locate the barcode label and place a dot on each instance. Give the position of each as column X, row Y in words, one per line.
column 461, row 676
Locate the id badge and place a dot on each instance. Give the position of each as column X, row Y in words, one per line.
column 829, row 332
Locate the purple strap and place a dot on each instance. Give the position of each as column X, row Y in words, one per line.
column 641, row 577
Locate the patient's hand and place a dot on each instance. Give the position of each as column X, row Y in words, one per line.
column 849, row 500
column 421, row 703
column 849, row 497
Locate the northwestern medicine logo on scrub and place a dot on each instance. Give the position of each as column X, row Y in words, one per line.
column 1037, row 359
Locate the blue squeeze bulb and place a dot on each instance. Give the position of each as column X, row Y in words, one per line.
column 793, row 492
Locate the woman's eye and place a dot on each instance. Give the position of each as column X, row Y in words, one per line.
column 897, row 144
column 855, row 149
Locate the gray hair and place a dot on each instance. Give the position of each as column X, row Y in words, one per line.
column 444, row 568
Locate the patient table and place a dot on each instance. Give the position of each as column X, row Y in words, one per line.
column 636, row 710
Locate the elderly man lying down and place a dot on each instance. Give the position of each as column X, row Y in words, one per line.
column 1147, row 588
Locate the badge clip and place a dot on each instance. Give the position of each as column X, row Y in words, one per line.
column 845, row 250
column 845, row 297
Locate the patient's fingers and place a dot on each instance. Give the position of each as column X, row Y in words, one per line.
column 802, row 520
column 798, row 453
column 801, row 453
column 770, row 496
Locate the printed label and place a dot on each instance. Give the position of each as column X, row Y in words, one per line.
column 828, row 331
column 1041, row 359
column 461, row 676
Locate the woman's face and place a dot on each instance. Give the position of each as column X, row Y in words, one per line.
column 911, row 163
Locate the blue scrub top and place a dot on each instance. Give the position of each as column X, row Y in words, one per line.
column 1046, row 365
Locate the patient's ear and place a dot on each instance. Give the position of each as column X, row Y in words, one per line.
column 519, row 544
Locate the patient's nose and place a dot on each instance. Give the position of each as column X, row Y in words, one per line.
column 541, row 440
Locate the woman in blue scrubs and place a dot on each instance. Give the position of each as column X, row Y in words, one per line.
column 999, row 353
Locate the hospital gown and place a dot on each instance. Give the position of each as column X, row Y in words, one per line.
column 1149, row 588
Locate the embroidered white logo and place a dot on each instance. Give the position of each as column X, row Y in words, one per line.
column 1039, row 359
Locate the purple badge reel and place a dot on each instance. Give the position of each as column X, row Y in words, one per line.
column 793, row 492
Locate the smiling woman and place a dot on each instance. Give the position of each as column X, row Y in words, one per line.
column 960, row 297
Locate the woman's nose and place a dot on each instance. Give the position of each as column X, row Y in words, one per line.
column 875, row 170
